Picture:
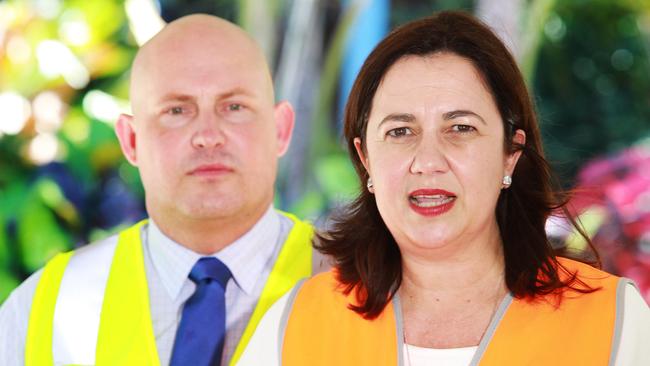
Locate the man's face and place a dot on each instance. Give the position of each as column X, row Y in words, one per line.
column 206, row 140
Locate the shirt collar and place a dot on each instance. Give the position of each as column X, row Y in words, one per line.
column 246, row 257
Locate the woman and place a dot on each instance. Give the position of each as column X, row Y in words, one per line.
column 443, row 258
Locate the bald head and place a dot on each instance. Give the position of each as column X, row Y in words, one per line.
column 201, row 44
column 205, row 132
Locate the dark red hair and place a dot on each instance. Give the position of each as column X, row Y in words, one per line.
column 365, row 253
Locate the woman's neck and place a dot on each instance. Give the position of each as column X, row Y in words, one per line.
column 449, row 302
column 471, row 266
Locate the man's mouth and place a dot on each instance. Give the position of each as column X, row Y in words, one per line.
column 210, row 169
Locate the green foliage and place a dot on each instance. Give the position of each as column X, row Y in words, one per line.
column 39, row 235
column 403, row 11
column 592, row 81
column 309, row 206
column 336, row 183
column 8, row 279
column 42, row 206
column 532, row 35
column 336, row 176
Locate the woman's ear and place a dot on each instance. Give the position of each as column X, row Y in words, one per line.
column 519, row 138
column 358, row 146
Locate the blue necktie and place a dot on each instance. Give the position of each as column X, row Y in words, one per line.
column 200, row 336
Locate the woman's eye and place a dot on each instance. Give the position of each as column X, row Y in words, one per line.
column 462, row 128
column 398, row 132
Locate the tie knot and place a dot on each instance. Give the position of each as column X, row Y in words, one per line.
column 210, row 268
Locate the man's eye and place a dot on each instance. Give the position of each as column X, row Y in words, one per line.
column 176, row 110
column 235, row 107
column 398, row 132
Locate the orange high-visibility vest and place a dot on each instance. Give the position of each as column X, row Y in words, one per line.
column 583, row 330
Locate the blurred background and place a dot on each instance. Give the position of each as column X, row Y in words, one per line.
column 64, row 70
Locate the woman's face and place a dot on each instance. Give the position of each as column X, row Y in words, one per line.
column 435, row 153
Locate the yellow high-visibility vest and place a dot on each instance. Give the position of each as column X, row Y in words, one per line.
column 125, row 331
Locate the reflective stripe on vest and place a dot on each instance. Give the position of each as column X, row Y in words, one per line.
column 116, row 283
column 583, row 330
column 293, row 264
column 79, row 303
column 38, row 344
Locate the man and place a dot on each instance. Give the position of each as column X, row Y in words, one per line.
column 205, row 135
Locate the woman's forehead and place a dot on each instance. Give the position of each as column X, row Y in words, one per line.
column 433, row 80
column 439, row 70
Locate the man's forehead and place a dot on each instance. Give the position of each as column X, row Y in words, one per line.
column 192, row 55
column 199, row 28
column 200, row 74
column 198, row 41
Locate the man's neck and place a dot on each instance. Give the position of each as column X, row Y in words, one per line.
column 206, row 235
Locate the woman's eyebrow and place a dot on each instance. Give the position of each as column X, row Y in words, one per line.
column 399, row 117
column 461, row 113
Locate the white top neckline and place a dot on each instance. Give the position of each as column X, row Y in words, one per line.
column 416, row 356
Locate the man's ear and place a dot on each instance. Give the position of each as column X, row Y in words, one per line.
column 126, row 135
column 284, row 122
column 519, row 138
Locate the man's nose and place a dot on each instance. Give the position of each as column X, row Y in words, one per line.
column 209, row 132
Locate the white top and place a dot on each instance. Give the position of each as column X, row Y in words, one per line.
column 250, row 259
column 263, row 348
column 417, row 356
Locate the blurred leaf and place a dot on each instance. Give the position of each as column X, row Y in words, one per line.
column 131, row 176
column 14, row 196
column 337, row 177
column 52, row 196
column 309, row 206
column 323, row 137
column 106, row 155
column 92, row 145
column 76, row 128
column 536, row 17
column 7, row 283
column 40, row 236
column 99, row 234
column 104, row 17
column 108, row 60
column 4, row 242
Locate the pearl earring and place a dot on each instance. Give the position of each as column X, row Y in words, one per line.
column 507, row 181
column 369, row 184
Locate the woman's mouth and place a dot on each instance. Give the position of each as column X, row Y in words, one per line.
column 431, row 202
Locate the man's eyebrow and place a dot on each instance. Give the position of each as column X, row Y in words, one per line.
column 399, row 117
column 462, row 113
column 171, row 97
column 235, row 92
column 180, row 97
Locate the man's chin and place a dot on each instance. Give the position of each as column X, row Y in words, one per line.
column 206, row 211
